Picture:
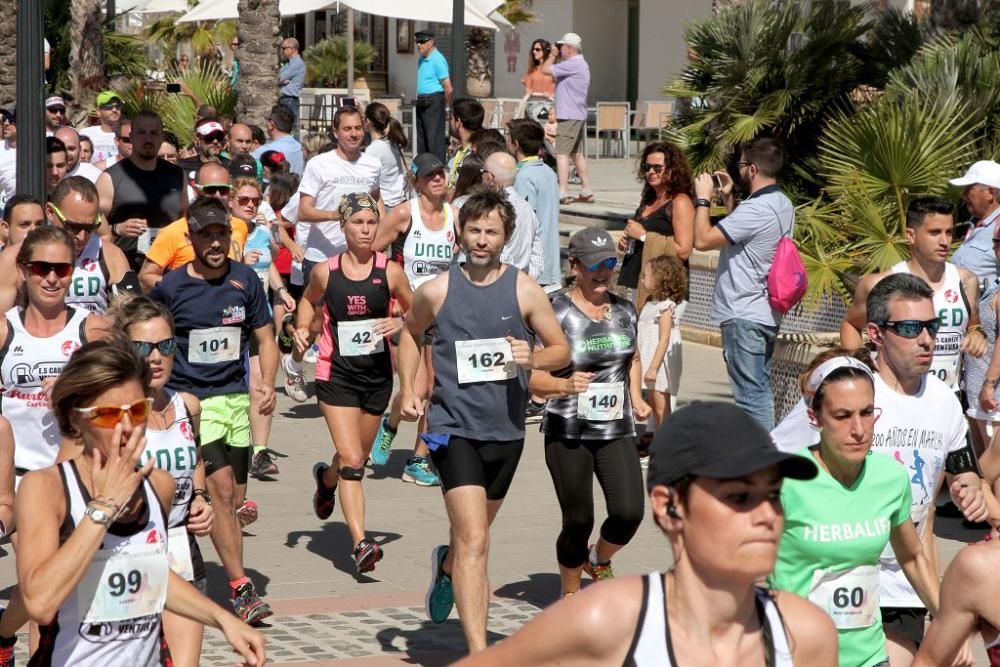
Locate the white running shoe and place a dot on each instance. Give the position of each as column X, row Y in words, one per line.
column 295, row 384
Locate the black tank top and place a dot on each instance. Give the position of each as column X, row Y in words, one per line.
column 344, row 348
column 660, row 221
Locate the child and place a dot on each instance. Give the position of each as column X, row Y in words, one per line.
column 665, row 279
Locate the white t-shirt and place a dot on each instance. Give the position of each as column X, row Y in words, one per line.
column 392, row 183
column 87, row 170
column 795, row 432
column 328, row 177
column 104, row 143
column 8, row 170
column 919, row 432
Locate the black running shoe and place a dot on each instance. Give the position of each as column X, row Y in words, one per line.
column 366, row 554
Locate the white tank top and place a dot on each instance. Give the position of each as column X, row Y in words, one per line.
column 132, row 642
column 89, row 286
column 651, row 645
column 174, row 450
column 26, row 360
column 950, row 307
column 427, row 252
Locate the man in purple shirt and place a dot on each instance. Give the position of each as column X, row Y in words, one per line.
column 572, row 76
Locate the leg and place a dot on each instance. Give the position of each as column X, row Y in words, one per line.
column 616, row 465
column 420, row 132
column 660, row 402
column 184, row 638
column 260, row 425
column 580, row 160
column 226, row 533
column 434, row 120
column 562, row 169
column 571, row 466
column 977, row 432
column 352, row 431
column 900, row 650
column 470, row 540
column 747, row 348
column 423, row 383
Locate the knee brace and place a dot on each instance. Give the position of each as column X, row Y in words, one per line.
column 351, row 474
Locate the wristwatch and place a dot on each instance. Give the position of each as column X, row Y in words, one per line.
column 702, row 202
column 202, row 493
column 97, row 515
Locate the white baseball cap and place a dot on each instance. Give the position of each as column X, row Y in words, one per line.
column 571, row 39
column 984, row 172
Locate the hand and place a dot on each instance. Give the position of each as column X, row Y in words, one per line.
column 287, row 300
column 987, row 398
column 200, row 517
column 302, row 338
column 411, row 408
column 577, row 383
column 704, row 187
column 298, row 254
column 388, row 327
column 964, row 657
column 623, row 243
column 116, row 478
column 634, row 229
column 246, row 641
column 252, row 256
column 974, row 343
column 267, row 398
column 132, row 227
column 554, row 52
column 970, row 500
column 521, row 352
column 650, row 376
column 259, row 219
column 640, row 409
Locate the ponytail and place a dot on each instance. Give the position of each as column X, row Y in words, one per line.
column 396, row 134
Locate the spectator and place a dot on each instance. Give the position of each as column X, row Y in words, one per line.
column 170, row 147
column 240, row 138
column 141, row 194
column 538, row 83
column 234, row 76
column 55, row 164
column 184, row 63
column 291, row 79
column 74, row 166
column 8, row 155
column 524, row 248
column 209, row 142
column 55, row 114
column 465, row 122
column 257, row 133
column 102, row 135
column 433, row 96
column 572, row 77
column 981, row 194
column 747, row 240
column 273, row 162
column 123, row 145
column 388, row 143
column 470, row 176
column 488, row 136
column 537, row 184
column 205, row 112
column 86, row 149
column 315, row 143
column 279, row 128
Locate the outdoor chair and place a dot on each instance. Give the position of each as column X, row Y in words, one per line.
column 651, row 117
column 612, row 125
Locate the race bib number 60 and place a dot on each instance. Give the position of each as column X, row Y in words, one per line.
column 215, row 345
column 126, row 584
column 485, row 360
column 849, row 597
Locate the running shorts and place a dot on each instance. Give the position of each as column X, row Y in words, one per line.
column 907, row 622
column 345, row 394
column 489, row 464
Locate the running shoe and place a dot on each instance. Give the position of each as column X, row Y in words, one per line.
column 248, row 606
column 263, row 464
column 418, row 471
column 440, row 597
column 366, row 554
column 534, row 412
column 7, row 648
column 383, row 442
column 311, row 355
column 597, row 571
column 247, row 513
column 295, row 385
column 324, row 498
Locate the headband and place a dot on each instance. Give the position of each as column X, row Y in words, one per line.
column 355, row 202
column 823, row 371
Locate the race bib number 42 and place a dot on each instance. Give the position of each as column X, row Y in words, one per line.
column 485, row 360
column 602, row 402
column 849, row 597
column 215, row 345
column 356, row 338
column 125, row 584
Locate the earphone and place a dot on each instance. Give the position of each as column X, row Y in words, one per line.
column 672, row 511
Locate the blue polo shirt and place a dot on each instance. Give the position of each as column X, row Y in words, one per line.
column 976, row 252
column 430, row 71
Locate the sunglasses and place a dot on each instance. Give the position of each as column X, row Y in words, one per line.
column 744, row 164
column 214, row 137
column 111, row 105
column 657, row 168
column 125, row 140
column 911, row 328
column 166, row 347
column 214, row 189
column 74, row 226
column 56, row 109
column 43, row 269
column 610, row 263
column 109, row 416
column 248, row 201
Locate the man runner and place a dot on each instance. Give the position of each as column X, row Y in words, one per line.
column 475, row 418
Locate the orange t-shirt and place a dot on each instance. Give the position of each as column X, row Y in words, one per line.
column 539, row 83
column 172, row 248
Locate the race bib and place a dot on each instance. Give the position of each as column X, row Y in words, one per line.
column 486, row 360
column 124, row 584
column 145, row 240
column 849, row 597
column 357, row 339
column 602, row 402
column 213, row 346
column 944, row 365
column 179, row 553
column 263, row 274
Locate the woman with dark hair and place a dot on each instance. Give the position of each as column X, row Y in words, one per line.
column 92, row 551
column 388, row 143
column 470, row 174
column 273, row 162
column 536, row 82
column 664, row 221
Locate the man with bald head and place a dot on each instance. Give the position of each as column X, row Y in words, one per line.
column 172, row 247
column 524, row 249
column 240, row 139
column 71, row 139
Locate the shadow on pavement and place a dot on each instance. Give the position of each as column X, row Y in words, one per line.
column 541, row 589
column 218, row 583
column 307, row 410
column 393, row 468
column 333, row 542
column 431, row 644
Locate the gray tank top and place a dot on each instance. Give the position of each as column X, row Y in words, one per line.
column 470, row 318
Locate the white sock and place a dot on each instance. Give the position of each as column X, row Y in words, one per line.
column 292, row 366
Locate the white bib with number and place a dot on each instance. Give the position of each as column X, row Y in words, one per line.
column 179, row 553
column 602, row 402
column 356, row 338
column 484, row 360
column 947, row 353
column 124, row 584
column 849, row 597
column 215, row 345
column 145, row 240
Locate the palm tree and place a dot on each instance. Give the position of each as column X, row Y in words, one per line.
column 259, row 39
column 204, row 36
column 86, row 56
column 8, row 52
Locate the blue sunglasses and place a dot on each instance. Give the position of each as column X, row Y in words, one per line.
column 610, row 263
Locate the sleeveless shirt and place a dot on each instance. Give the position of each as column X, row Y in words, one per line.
column 89, row 286
column 425, row 252
column 174, row 450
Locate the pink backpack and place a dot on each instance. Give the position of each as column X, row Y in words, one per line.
column 786, row 281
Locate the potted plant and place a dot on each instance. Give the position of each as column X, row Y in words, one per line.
column 326, row 61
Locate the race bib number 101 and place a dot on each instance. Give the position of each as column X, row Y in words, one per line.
column 485, row 360
column 215, row 345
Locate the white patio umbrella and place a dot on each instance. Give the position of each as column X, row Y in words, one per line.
column 160, row 6
column 436, row 11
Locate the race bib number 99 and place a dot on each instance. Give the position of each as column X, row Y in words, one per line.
column 125, row 584
column 849, row 597
column 356, row 338
column 602, row 402
column 213, row 346
column 485, row 360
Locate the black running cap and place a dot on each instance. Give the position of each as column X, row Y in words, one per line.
column 719, row 441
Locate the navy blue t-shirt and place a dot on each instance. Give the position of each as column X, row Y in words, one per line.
column 214, row 320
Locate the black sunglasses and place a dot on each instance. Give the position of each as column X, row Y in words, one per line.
column 125, row 140
column 111, row 105
column 911, row 328
column 214, row 189
column 166, row 347
column 213, row 137
column 657, row 168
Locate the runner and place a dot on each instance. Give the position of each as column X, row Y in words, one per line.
column 838, row 524
column 354, row 372
column 21, row 214
column 93, row 529
column 588, row 425
column 171, row 437
column 475, row 418
column 714, row 480
column 421, row 235
column 218, row 305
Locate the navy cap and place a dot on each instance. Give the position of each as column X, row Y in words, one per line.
column 426, row 164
